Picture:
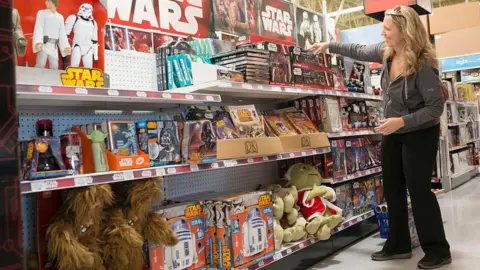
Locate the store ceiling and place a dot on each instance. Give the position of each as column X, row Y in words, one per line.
column 357, row 19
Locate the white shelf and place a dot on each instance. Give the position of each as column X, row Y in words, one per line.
column 130, row 175
column 464, row 172
column 351, row 133
column 463, row 103
column 350, row 177
column 242, row 90
column 295, row 247
column 80, row 96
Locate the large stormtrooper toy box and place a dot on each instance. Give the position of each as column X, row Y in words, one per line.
column 187, row 220
column 53, row 35
column 244, row 228
column 61, row 33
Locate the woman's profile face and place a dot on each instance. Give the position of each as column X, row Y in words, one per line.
column 391, row 33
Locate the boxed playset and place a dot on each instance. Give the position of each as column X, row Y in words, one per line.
column 187, row 220
column 244, row 228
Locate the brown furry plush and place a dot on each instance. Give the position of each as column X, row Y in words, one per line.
column 123, row 245
column 73, row 237
column 136, row 212
column 156, row 231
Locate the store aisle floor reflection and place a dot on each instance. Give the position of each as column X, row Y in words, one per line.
column 460, row 210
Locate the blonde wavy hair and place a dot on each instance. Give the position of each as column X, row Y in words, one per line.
column 418, row 50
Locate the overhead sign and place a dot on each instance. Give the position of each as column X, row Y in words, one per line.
column 185, row 18
column 276, row 20
column 460, row 62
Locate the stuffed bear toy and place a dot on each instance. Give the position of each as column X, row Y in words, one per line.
column 315, row 201
column 289, row 225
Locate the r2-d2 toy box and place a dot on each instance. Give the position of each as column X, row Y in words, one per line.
column 244, row 228
column 188, row 222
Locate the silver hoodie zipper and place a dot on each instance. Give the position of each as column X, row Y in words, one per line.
column 406, row 88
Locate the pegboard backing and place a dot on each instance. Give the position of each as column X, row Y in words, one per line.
column 63, row 121
column 29, row 222
column 131, row 70
column 235, row 179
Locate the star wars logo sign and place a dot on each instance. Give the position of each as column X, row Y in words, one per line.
column 184, row 17
column 76, row 76
column 277, row 21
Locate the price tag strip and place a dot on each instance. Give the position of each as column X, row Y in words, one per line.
column 119, row 176
column 353, row 176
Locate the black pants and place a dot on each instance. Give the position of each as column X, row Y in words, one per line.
column 408, row 161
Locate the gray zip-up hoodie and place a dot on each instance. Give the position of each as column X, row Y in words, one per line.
column 417, row 98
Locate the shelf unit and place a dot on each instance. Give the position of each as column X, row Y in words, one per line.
column 34, row 96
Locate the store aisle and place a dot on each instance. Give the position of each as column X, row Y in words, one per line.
column 460, row 210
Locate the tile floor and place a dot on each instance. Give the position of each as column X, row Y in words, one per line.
column 461, row 215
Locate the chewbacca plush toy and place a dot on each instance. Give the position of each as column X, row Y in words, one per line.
column 124, row 251
column 73, row 237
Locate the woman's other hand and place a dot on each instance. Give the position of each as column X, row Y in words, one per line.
column 390, row 125
column 319, row 47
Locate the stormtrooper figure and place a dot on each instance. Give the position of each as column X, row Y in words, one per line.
column 306, row 32
column 49, row 35
column 85, row 40
column 317, row 30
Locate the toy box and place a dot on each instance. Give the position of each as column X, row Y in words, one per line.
column 359, row 199
column 379, row 190
column 43, row 159
column 188, row 222
column 368, row 186
column 338, row 155
column 244, row 228
column 345, row 200
column 199, row 144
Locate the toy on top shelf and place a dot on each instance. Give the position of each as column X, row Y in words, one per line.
column 19, row 40
column 49, row 33
column 85, row 40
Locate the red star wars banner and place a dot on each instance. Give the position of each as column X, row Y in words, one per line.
column 275, row 20
column 182, row 18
